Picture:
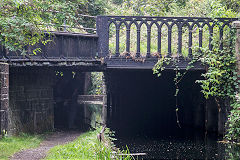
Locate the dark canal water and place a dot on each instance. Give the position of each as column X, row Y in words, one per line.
column 184, row 146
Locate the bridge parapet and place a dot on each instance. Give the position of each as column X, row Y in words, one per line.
column 128, row 41
column 63, row 47
column 174, row 34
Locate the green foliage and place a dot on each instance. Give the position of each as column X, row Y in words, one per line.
column 197, row 8
column 87, row 146
column 185, row 8
column 11, row 145
column 233, row 123
column 160, row 65
column 232, row 152
column 18, row 25
column 232, row 4
column 220, row 77
column 4, row 133
column 219, row 80
column 22, row 22
column 97, row 83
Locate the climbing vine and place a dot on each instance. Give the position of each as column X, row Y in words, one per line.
column 219, row 80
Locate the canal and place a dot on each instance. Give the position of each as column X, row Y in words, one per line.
column 142, row 111
column 189, row 146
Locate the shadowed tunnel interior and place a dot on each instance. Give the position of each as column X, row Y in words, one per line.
column 141, row 103
column 68, row 114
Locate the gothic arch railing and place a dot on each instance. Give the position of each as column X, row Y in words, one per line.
column 183, row 24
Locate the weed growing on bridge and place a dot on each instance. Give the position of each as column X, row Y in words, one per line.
column 221, row 82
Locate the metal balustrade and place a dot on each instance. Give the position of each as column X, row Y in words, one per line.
column 190, row 23
column 170, row 32
column 63, row 46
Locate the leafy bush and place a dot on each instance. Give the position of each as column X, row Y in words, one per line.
column 233, row 124
column 22, row 22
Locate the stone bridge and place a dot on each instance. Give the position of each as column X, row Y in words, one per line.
column 26, row 80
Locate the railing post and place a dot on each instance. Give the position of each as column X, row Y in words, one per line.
column 103, row 36
column 148, row 41
column 236, row 25
column 169, row 41
column 138, row 41
column 180, row 40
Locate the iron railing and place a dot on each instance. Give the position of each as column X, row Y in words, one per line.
column 69, row 40
column 63, row 46
column 76, row 46
column 181, row 24
column 80, row 23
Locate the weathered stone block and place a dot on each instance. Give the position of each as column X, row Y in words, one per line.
column 4, row 68
column 4, row 98
column 236, row 24
column 4, row 90
column 31, row 97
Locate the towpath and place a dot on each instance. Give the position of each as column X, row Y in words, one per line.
column 57, row 138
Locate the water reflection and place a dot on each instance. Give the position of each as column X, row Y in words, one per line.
column 179, row 147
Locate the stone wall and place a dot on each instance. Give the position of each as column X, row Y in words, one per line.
column 31, row 100
column 4, row 97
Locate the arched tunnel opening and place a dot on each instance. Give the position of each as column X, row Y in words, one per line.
column 140, row 103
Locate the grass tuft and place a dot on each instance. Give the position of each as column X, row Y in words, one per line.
column 11, row 145
column 87, row 147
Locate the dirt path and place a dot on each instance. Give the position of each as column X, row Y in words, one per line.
column 56, row 138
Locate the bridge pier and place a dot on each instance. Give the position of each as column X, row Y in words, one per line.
column 28, row 102
column 31, row 100
column 4, row 97
column 236, row 25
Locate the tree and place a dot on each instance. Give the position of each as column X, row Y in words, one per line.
column 23, row 22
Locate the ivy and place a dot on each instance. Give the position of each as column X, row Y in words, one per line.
column 219, row 81
column 233, row 122
column 220, row 76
